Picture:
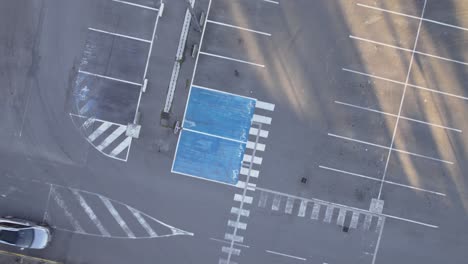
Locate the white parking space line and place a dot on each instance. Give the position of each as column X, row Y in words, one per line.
column 271, row 1
column 394, row 149
column 402, row 83
column 261, row 119
column 408, row 50
column 117, row 133
column 59, row 200
column 117, row 216
column 265, row 105
column 375, row 179
column 414, row 17
column 231, row 59
column 285, row 255
column 328, row 214
column 216, row 136
column 410, row 221
column 123, row 145
column 254, row 131
column 142, row 222
column 137, row 5
column 101, row 129
column 377, row 246
column 109, row 78
column 402, row 117
column 237, row 27
column 119, row 35
column 90, row 213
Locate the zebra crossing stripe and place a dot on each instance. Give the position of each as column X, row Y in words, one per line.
column 123, row 145
column 234, row 251
column 89, row 211
column 289, row 205
column 235, row 238
column 265, row 105
column 341, row 217
column 58, row 199
column 245, row 199
column 354, row 220
column 242, row 185
column 261, row 119
column 254, row 132
column 253, row 173
column 276, row 202
column 258, row 146
column 302, row 208
column 315, row 211
column 119, row 131
column 96, row 133
column 142, row 222
column 117, row 216
column 242, row 212
column 236, row 224
column 255, row 160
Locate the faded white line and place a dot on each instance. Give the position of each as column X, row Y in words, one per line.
column 242, row 212
column 96, row 119
column 119, row 35
column 137, row 5
column 229, row 242
column 302, row 209
column 109, row 78
column 231, row 59
column 402, row 83
column 237, row 27
column 216, row 136
column 58, row 199
column 402, row 117
column 151, row 46
column 142, row 221
column 116, row 216
column 384, row 147
column 377, row 246
column 285, row 255
column 89, row 211
column 271, row 1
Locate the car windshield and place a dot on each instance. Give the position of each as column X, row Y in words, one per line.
column 21, row 238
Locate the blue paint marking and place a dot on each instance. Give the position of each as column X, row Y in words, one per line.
column 209, row 157
column 219, row 114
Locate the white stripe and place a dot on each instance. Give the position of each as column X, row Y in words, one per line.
column 123, row 145
column 119, row 131
column 234, row 238
column 256, row 160
column 58, row 199
column 237, row 27
column 142, row 222
column 254, row 131
column 96, row 119
column 402, row 117
column 408, row 50
column 103, row 127
column 276, row 203
column 289, row 205
column 151, row 46
column 119, row 35
column 367, row 222
column 302, row 208
column 109, row 78
column 354, row 220
column 375, row 179
column 231, row 59
column 377, row 246
column 225, row 261
column 236, row 224
column 263, row 199
column 90, row 213
column 315, row 211
column 410, row 221
column 341, row 217
column 228, row 242
column 271, row 1
column 285, row 255
column 261, row 119
column 234, row 251
column 265, row 106
column 137, row 5
column 253, row 173
column 384, row 147
column 88, row 122
column 216, row 136
column 380, row 223
column 328, row 214
column 415, row 17
column 251, row 145
column 246, row 199
column 410, row 85
column 242, row 185
column 117, row 216
column 242, row 212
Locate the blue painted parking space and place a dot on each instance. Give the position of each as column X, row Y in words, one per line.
column 208, row 157
column 220, row 114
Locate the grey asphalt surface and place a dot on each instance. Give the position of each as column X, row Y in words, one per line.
column 304, row 57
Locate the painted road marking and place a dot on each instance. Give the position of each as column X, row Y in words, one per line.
column 234, row 251
column 249, row 186
column 229, row 242
column 88, row 122
column 137, row 5
column 237, row 27
column 117, row 216
column 253, row 173
column 242, row 212
column 261, row 119
column 225, row 261
column 236, row 224
column 254, row 131
column 29, row 258
column 265, row 105
column 59, row 200
column 109, row 78
column 289, row 205
column 117, row 133
column 255, row 160
column 119, row 35
column 271, row 1
column 235, row 238
column 328, row 214
column 142, row 221
column 123, row 145
column 276, row 203
column 315, row 212
column 354, row 220
column 302, row 208
column 367, row 222
column 231, row 59
column 285, row 255
column 341, row 217
column 258, row 146
column 101, row 129
column 90, row 213
column 241, row 198
column 263, row 199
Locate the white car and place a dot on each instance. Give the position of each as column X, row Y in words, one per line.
column 23, row 234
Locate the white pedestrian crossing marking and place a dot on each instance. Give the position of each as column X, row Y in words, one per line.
column 258, row 146
column 123, row 145
column 142, row 222
column 101, row 129
column 117, row 216
column 90, row 213
column 341, row 217
column 253, row 173
column 119, row 131
column 243, row 185
column 302, row 208
column 245, row 199
column 289, row 205
column 261, row 119
column 315, row 211
column 276, row 203
column 234, row 251
column 328, row 214
column 236, row 224
column 235, row 238
column 59, row 200
column 265, row 105
column 254, row 132
column 242, row 212
column 255, row 160
column 354, row 220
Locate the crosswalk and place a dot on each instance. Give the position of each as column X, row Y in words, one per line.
column 248, row 175
column 343, row 216
column 92, row 214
